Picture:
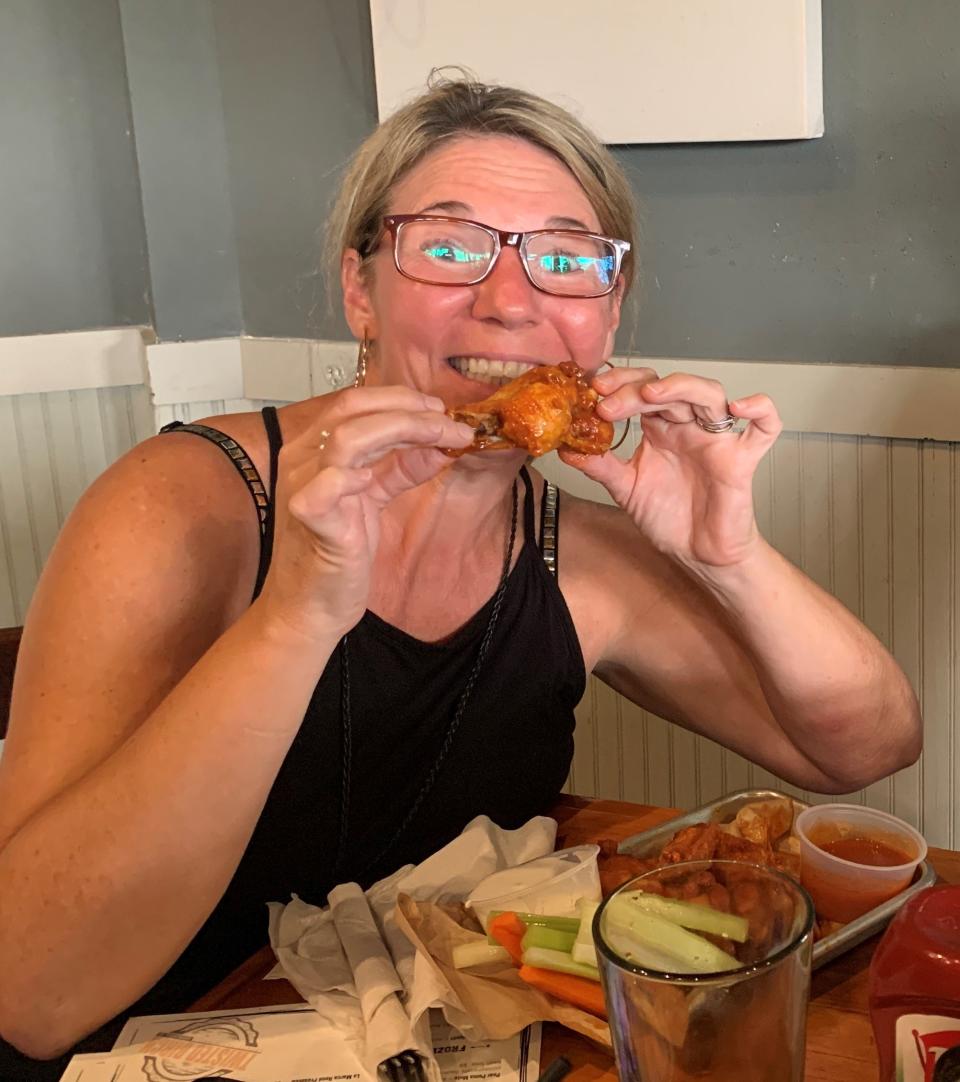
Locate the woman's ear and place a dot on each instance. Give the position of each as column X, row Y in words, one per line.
column 357, row 304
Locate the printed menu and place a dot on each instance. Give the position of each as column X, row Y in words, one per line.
column 284, row 1044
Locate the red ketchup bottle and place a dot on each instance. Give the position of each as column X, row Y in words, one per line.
column 915, row 990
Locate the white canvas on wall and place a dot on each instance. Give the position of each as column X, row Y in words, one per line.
column 636, row 71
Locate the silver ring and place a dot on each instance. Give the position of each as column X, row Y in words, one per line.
column 324, row 436
column 724, row 425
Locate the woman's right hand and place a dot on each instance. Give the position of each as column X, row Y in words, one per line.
column 366, row 447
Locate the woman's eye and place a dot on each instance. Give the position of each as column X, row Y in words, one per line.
column 563, row 263
column 443, row 251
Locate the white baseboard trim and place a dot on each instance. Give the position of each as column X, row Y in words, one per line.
column 855, row 400
column 74, row 361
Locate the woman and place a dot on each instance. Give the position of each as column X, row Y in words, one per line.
column 409, row 660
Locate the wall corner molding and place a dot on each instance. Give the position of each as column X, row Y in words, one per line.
column 194, row 371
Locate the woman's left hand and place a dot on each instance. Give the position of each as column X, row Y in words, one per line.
column 689, row 491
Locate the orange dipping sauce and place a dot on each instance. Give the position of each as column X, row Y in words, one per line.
column 843, row 894
column 862, row 850
column 854, row 858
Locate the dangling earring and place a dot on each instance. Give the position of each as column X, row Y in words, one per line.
column 362, row 358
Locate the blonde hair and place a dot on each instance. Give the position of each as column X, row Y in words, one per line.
column 463, row 106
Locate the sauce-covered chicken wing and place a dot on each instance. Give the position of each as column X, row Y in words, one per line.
column 544, row 409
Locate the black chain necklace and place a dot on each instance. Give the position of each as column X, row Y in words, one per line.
column 428, row 782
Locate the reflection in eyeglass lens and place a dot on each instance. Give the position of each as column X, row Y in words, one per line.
column 444, row 251
column 564, row 255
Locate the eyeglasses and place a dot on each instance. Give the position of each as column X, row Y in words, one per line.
column 445, row 251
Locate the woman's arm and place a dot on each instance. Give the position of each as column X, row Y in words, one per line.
column 152, row 709
column 758, row 658
column 706, row 623
column 143, row 741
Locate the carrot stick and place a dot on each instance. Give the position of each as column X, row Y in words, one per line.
column 508, row 930
column 583, row 993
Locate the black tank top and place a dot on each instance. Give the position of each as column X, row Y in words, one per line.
column 508, row 759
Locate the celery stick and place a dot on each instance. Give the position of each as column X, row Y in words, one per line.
column 559, row 924
column 466, row 955
column 559, row 962
column 562, row 924
column 537, row 935
column 583, row 949
column 700, row 918
column 648, row 957
column 645, row 932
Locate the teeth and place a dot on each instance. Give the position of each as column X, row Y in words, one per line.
column 487, row 371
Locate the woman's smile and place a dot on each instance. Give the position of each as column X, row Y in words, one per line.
column 490, row 370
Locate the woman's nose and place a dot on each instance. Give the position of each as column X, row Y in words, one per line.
column 506, row 294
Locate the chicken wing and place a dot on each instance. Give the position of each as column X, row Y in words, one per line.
column 546, row 408
column 697, row 842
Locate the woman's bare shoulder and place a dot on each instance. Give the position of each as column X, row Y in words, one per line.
column 594, row 526
column 173, row 507
column 607, row 551
column 609, row 572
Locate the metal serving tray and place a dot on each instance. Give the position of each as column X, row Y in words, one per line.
column 723, row 810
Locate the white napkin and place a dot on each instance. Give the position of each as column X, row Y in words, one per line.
column 360, row 973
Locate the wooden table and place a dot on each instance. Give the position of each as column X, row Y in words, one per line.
column 840, row 1045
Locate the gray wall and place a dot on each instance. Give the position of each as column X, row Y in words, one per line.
column 245, row 112
column 72, row 247
column 177, row 109
column 838, row 249
column 298, row 92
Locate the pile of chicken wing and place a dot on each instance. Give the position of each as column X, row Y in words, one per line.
column 761, row 833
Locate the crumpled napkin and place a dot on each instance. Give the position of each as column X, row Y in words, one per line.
column 358, row 970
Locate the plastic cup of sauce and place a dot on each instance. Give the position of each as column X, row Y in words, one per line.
column 854, row 858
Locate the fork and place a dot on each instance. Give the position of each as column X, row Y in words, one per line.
column 406, row 1066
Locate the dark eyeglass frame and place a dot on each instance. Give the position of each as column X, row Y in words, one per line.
column 502, row 238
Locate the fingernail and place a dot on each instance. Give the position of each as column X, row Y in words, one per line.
column 433, row 402
column 465, row 430
column 733, row 402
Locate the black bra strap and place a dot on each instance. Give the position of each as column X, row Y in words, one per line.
column 252, row 480
column 528, row 518
column 271, row 422
column 549, row 525
column 238, row 457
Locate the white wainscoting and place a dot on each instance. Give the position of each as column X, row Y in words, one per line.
column 869, row 508
column 52, row 447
